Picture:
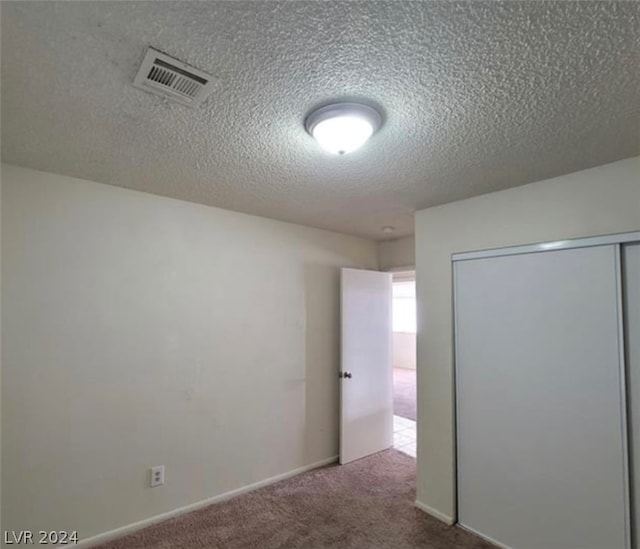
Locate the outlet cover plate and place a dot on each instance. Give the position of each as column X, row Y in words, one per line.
column 157, row 476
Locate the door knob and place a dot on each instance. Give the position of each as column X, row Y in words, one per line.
column 347, row 375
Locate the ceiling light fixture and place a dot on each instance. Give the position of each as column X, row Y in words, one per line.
column 341, row 128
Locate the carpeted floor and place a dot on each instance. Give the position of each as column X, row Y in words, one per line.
column 367, row 504
column 404, row 393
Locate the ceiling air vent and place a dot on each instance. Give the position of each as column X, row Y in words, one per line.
column 173, row 79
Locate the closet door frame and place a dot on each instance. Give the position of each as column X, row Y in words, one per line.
column 632, row 322
column 614, row 239
column 621, row 238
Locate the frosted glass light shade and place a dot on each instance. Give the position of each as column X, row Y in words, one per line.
column 343, row 127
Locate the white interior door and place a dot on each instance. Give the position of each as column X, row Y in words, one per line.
column 366, row 378
column 540, row 400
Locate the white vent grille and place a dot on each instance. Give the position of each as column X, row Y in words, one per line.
column 168, row 77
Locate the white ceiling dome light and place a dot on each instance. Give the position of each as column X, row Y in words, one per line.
column 341, row 128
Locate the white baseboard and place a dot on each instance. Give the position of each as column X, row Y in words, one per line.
column 133, row 527
column 450, row 521
column 486, row 538
column 434, row 513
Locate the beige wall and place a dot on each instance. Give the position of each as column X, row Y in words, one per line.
column 140, row 330
column 404, row 350
column 598, row 201
column 396, row 254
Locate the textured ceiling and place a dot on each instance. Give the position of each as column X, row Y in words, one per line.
column 477, row 96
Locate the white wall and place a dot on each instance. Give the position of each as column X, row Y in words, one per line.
column 140, row 330
column 601, row 200
column 396, row 254
column 404, row 350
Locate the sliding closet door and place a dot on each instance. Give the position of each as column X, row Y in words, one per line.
column 541, row 429
column 631, row 270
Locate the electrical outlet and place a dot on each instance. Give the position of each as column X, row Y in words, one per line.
column 157, row 475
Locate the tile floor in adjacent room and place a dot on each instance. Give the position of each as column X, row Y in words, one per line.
column 404, row 435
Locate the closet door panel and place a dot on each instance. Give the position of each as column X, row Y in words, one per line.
column 540, row 405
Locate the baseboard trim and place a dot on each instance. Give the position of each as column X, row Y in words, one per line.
column 135, row 526
column 434, row 513
column 486, row 538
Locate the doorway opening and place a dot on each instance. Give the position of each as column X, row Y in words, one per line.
column 404, row 362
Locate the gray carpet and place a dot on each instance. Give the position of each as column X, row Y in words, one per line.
column 404, row 393
column 367, row 504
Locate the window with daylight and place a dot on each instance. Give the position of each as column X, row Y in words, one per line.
column 404, row 307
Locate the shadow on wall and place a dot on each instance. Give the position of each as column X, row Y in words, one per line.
column 322, row 357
